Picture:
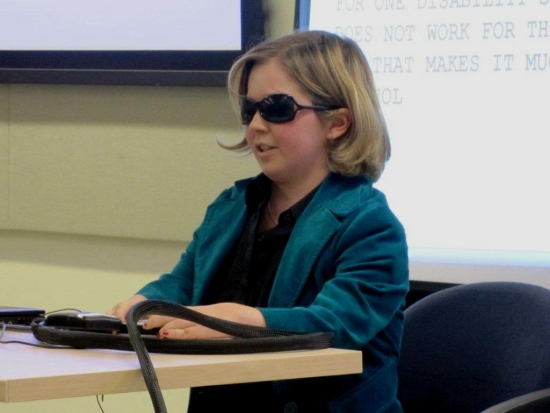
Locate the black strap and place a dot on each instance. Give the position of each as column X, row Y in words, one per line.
column 249, row 339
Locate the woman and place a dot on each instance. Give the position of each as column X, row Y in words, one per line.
column 307, row 245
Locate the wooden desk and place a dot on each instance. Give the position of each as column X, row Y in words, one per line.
column 31, row 373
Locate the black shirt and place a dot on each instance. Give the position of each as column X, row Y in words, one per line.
column 252, row 269
column 246, row 277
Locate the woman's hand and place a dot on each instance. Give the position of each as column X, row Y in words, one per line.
column 178, row 329
column 121, row 309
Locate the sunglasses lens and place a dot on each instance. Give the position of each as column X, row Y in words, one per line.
column 278, row 109
column 274, row 108
column 248, row 109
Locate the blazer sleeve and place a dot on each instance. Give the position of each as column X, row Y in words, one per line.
column 359, row 282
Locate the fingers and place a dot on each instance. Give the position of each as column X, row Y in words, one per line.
column 178, row 329
column 121, row 309
column 178, row 333
column 156, row 321
column 194, row 332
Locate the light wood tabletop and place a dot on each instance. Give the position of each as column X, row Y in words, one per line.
column 31, row 373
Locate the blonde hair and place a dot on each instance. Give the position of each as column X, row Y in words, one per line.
column 332, row 71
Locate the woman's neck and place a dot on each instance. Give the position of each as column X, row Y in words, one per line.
column 283, row 196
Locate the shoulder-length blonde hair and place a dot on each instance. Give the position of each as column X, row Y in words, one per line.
column 333, row 71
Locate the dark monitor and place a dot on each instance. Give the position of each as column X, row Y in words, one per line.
column 126, row 42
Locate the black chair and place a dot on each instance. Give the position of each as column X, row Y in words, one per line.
column 482, row 347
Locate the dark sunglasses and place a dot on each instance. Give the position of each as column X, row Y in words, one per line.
column 279, row 108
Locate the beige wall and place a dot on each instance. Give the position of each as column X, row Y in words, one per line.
column 138, row 162
column 100, row 190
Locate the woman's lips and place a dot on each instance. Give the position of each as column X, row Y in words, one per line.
column 263, row 147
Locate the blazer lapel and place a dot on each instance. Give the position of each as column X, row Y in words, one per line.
column 301, row 253
column 320, row 220
column 315, row 228
column 223, row 225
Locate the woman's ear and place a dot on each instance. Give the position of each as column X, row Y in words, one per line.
column 339, row 124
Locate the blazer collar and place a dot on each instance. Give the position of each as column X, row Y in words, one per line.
column 335, row 199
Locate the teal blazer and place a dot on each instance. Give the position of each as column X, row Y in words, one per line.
column 344, row 270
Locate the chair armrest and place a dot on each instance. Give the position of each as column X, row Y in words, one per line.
column 521, row 403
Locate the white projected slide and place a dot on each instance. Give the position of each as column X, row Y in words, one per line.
column 465, row 89
column 120, row 25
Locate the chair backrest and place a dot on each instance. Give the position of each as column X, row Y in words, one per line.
column 472, row 346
